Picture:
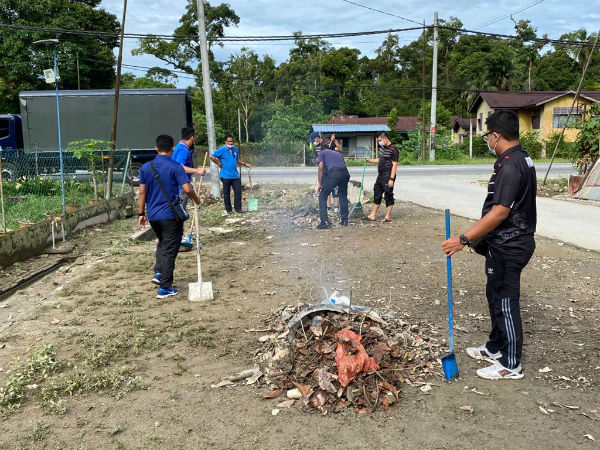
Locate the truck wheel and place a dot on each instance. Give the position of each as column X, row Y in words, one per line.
column 134, row 174
column 9, row 172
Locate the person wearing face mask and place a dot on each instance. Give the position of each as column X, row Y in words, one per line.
column 227, row 158
column 505, row 235
column 387, row 165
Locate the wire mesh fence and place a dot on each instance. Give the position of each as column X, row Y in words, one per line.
column 31, row 183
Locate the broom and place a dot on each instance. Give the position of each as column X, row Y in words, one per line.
column 187, row 245
column 357, row 210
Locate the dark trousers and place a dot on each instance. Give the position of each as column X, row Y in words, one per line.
column 236, row 183
column 330, row 180
column 503, row 294
column 169, row 233
column 381, row 189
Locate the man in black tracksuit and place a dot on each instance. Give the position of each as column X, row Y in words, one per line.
column 387, row 165
column 507, row 228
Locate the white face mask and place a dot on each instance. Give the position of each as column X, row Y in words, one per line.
column 229, row 145
column 492, row 150
column 381, row 144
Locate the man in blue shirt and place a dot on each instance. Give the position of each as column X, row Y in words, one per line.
column 154, row 208
column 227, row 158
column 183, row 155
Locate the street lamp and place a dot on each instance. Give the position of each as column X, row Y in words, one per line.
column 60, row 156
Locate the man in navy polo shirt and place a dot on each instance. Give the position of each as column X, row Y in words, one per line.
column 507, row 227
column 183, row 155
column 332, row 172
column 154, row 208
column 227, row 158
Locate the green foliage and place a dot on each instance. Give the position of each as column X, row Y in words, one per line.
column 480, row 148
column 531, row 142
column 585, row 151
column 23, row 62
column 565, row 149
column 291, row 123
column 40, row 365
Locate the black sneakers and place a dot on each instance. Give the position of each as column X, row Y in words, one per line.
column 344, row 222
column 323, row 225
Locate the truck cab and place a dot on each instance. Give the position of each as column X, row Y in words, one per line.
column 11, row 143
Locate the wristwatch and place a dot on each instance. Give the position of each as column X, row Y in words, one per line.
column 464, row 240
column 141, row 214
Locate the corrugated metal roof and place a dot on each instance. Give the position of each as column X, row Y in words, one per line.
column 529, row 99
column 350, row 128
column 405, row 123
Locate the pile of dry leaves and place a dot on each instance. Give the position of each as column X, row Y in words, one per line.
column 344, row 358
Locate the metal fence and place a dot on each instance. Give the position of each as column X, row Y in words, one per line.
column 30, row 185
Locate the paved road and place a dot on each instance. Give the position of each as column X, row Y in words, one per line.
column 455, row 187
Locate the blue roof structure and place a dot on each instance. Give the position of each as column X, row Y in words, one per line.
column 329, row 128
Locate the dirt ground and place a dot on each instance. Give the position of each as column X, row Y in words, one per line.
column 89, row 358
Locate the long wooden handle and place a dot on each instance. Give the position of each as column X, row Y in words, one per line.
column 204, row 167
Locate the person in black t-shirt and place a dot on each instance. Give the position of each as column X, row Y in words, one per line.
column 504, row 234
column 387, row 164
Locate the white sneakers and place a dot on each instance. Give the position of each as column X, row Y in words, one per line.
column 482, row 353
column 496, row 371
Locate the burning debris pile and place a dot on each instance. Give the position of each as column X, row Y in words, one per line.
column 330, row 357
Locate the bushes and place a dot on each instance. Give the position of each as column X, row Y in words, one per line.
column 531, row 143
column 565, row 149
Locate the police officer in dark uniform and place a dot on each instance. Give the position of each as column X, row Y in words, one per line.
column 505, row 235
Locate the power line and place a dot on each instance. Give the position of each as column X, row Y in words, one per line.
column 382, row 12
column 509, row 15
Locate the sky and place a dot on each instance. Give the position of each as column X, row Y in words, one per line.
column 284, row 17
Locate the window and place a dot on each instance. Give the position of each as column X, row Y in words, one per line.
column 480, row 122
column 559, row 119
column 535, row 119
column 4, row 128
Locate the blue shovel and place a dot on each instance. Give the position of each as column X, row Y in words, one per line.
column 449, row 360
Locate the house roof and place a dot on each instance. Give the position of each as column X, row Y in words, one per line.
column 520, row 100
column 350, row 128
column 462, row 122
column 405, row 123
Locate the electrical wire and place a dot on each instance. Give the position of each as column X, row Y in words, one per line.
column 382, row 12
column 288, row 37
column 498, row 19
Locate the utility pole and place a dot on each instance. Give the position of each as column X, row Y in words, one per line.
column 54, row 42
column 208, row 104
column 433, row 89
column 113, row 131
column 470, row 138
column 78, row 81
column 424, row 145
column 239, row 127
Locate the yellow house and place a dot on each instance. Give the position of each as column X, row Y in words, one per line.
column 545, row 111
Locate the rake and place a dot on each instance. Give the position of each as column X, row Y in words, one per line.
column 357, row 210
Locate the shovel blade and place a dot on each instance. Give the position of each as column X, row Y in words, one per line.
column 253, row 204
column 199, row 292
column 450, row 366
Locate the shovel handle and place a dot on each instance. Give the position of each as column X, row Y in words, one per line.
column 204, row 167
column 449, row 286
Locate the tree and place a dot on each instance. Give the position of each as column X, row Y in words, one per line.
column 291, row 123
column 23, row 63
column 154, row 79
column 183, row 53
column 241, row 74
column 554, row 72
